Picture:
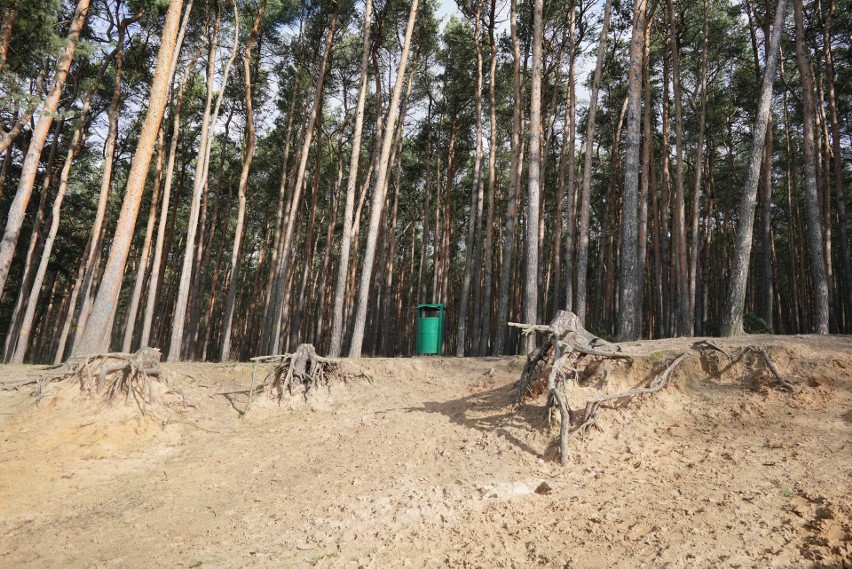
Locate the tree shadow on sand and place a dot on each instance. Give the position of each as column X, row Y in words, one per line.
column 493, row 411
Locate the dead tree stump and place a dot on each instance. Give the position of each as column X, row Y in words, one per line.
column 303, row 368
column 112, row 374
column 566, row 341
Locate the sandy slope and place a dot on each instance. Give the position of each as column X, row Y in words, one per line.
column 424, row 464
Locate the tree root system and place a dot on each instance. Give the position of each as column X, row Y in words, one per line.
column 569, row 349
column 301, row 370
column 111, row 375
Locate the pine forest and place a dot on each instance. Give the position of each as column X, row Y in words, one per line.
column 225, row 179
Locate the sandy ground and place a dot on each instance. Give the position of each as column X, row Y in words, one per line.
column 422, row 462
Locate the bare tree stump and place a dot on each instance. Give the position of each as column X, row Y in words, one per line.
column 302, row 368
column 566, row 340
column 112, row 374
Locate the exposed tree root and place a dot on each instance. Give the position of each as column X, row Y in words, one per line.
column 111, row 375
column 591, row 411
column 555, row 368
column 785, row 385
column 566, row 342
column 303, row 368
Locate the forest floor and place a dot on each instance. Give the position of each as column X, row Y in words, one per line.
column 424, row 462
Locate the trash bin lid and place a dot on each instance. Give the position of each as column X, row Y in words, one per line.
column 429, row 306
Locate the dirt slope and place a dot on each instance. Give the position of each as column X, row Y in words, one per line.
column 423, row 463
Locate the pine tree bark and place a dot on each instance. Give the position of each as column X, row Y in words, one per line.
column 586, row 192
column 698, row 167
column 96, row 337
column 474, row 218
column 679, row 230
column 155, row 282
column 836, row 149
column 18, row 208
column 355, row 159
column 534, row 193
column 628, row 313
column 200, row 183
column 379, row 193
column 280, row 300
column 248, row 156
column 819, row 277
column 732, row 319
column 77, row 142
column 517, row 165
column 488, row 257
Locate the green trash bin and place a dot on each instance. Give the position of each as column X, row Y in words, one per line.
column 430, row 329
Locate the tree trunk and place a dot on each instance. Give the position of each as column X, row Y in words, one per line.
column 96, row 336
column 732, row 319
column 474, row 229
column 698, row 166
column 141, row 270
column 585, row 194
column 346, row 240
column 628, row 312
column 156, row 265
column 817, row 254
column 18, row 208
column 200, row 183
column 845, row 316
column 517, row 165
column 379, row 193
column 679, row 222
column 77, row 143
column 279, row 300
column 248, row 156
column 487, row 260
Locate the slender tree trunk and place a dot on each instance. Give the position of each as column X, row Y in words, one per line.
column 845, row 264
column 346, row 240
column 248, row 156
column 517, row 165
column 379, row 193
column 732, row 319
column 488, row 257
column 92, row 256
column 18, row 208
column 155, row 282
column 141, row 270
column 77, row 142
column 96, row 336
column 646, row 176
column 817, row 254
column 585, row 194
column 679, row 222
column 279, row 298
column 534, row 195
column 698, row 166
column 201, row 169
column 474, row 218
column 36, row 238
